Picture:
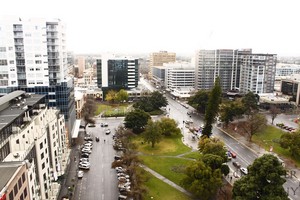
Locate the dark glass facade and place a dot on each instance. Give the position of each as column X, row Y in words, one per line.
column 289, row 88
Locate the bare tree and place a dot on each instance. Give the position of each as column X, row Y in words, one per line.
column 274, row 111
column 254, row 124
column 88, row 111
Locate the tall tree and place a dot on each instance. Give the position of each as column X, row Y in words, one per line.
column 122, row 96
column 200, row 100
column 111, row 96
column 291, row 141
column 88, row 111
column 212, row 108
column 201, row 180
column 250, row 101
column 136, row 120
column 274, row 111
column 152, row 133
column 255, row 123
column 169, row 126
column 158, row 100
column 264, row 180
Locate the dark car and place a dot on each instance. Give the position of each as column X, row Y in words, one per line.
column 104, row 124
column 236, row 164
column 233, row 155
column 91, row 125
column 85, row 155
column 97, row 139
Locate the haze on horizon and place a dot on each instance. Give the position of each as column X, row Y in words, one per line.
column 142, row 26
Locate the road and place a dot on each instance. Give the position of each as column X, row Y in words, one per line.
column 100, row 182
column 245, row 155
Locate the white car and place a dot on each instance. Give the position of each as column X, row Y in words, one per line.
column 84, row 166
column 244, row 170
column 85, row 150
column 84, row 160
column 80, row 174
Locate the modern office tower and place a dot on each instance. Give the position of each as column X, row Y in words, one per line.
column 179, row 75
column 32, row 132
column 159, row 58
column 33, row 58
column 237, row 69
column 14, row 181
column 257, row 73
column 117, row 73
column 210, row 64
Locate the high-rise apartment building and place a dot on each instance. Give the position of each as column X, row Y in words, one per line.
column 159, row 58
column 33, row 58
column 80, row 65
column 237, row 69
column 117, row 73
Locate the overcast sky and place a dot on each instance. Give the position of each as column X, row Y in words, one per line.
column 181, row 26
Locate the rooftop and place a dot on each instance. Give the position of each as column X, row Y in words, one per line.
column 7, row 170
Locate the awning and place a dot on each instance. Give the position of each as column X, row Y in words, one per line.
column 76, row 128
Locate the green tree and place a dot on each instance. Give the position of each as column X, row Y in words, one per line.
column 250, row 101
column 200, row 100
column 212, row 108
column 264, row 181
column 212, row 146
column 111, row 96
column 291, row 141
column 136, row 120
column 88, row 111
column 169, row 126
column 122, row 96
column 201, row 180
column 213, row 161
column 230, row 110
column 152, row 133
column 255, row 123
column 158, row 100
column 144, row 104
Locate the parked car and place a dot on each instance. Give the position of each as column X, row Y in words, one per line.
column 88, row 138
column 84, row 160
column 86, row 150
column 84, row 167
column 107, row 132
column 104, row 124
column 117, row 157
column 80, row 174
column 97, row 139
column 244, row 170
column 88, row 145
column 236, row 164
column 85, row 155
column 233, row 155
column 91, row 125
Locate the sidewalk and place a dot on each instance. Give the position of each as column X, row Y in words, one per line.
column 70, row 177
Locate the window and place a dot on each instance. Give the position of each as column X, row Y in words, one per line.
column 2, row 49
column 20, row 183
column 25, row 193
column 11, row 195
column 42, row 155
column 3, row 62
column 41, row 145
column 23, row 177
column 17, row 141
column 43, row 165
column 12, row 62
column 16, row 189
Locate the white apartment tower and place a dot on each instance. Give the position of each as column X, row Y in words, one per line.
column 32, row 53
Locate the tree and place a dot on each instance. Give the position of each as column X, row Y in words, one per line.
column 144, row 104
column 88, row 111
column 169, row 126
column 136, row 120
column 255, row 123
column 200, row 99
column 291, row 141
column 152, row 133
column 264, row 180
column 212, row 108
column 212, row 146
column 229, row 111
column 250, row 102
column 213, row 161
column 111, row 96
column 122, row 96
column 274, row 111
column 201, row 180
column 158, row 100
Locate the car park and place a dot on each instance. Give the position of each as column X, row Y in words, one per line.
column 244, row 170
column 236, row 164
column 80, row 174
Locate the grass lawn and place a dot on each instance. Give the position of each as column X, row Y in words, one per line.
column 168, row 146
column 193, row 155
column 170, row 167
column 112, row 109
column 161, row 190
column 270, row 137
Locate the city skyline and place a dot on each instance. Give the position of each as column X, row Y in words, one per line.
column 176, row 26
